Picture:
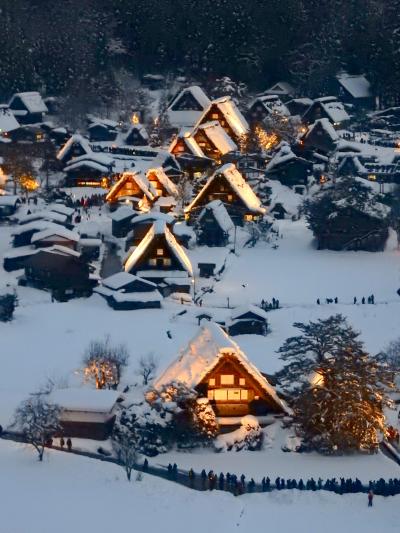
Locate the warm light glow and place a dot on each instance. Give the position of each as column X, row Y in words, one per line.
column 266, row 140
column 135, row 119
column 28, row 183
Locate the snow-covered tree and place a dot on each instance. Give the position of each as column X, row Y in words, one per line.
column 348, row 215
column 105, row 362
column 205, row 422
column 304, row 353
column 391, row 355
column 38, row 420
column 343, row 410
column 125, row 441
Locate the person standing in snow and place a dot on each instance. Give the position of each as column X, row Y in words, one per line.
column 370, row 498
column 69, row 444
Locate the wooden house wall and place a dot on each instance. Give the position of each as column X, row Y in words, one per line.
column 207, row 147
column 87, row 430
column 231, row 400
column 186, row 102
column 221, row 189
column 214, row 113
column 151, row 255
column 209, row 232
column 128, row 188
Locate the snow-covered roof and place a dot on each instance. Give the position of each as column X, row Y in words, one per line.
column 188, row 117
column 75, row 138
column 187, row 137
column 159, row 227
column 273, row 104
column 221, row 215
column 103, row 121
column 32, row 101
column 201, row 356
column 356, row 85
column 34, row 225
column 62, row 209
column 140, row 129
column 84, row 399
column 43, row 215
column 64, row 233
column 283, row 155
column 232, row 115
column 162, row 177
column 218, row 137
column 334, row 109
column 239, row 311
column 326, row 126
column 281, row 87
column 238, row 184
column 8, row 122
column 140, row 179
column 9, row 199
column 122, row 212
column 121, row 279
column 198, row 94
column 153, row 216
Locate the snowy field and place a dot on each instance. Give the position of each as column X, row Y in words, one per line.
column 47, row 340
column 72, row 494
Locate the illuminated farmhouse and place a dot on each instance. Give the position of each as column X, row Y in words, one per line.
column 215, row 366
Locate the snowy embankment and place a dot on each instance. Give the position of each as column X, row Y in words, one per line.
column 58, row 495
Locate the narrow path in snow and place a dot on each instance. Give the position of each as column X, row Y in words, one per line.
column 203, row 483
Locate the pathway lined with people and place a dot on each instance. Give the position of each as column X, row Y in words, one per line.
column 227, row 482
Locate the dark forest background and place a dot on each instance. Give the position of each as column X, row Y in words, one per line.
column 80, row 47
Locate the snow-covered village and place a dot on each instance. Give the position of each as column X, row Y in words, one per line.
column 199, row 266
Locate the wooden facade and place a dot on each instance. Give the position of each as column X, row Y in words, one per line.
column 221, row 189
column 232, row 391
column 158, row 257
column 214, row 113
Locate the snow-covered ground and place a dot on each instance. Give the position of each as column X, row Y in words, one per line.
column 72, row 494
column 47, row 340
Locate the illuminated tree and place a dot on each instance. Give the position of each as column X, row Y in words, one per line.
column 104, row 363
column 38, row 421
column 305, row 353
column 343, row 410
column 18, row 165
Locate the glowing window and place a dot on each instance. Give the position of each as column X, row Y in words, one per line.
column 227, row 379
column 214, row 115
column 244, row 394
column 211, row 382
column 233, row 394
column 160, row 251
column 210, row 394
column 221, row 394
column 152, row 262
column 242, row 381
column 230, row 197
column 167, row 262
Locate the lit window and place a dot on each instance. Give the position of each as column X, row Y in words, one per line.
column 242, row 381
column 211, row 382
column 248, row 218
column 227, row 379
column 233, row 394
column 214, row 116
column 210, row 394
column 197, row 174
column 167, row 262
column 230, row 198
column 153, row 262
column 244, row 394
column 160, row 251
column 221, row 394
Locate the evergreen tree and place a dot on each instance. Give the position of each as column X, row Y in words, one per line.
column 318, row 341
column 344, row 411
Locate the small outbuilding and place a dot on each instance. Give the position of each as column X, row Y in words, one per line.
column 124, row 291
column 86, row 413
